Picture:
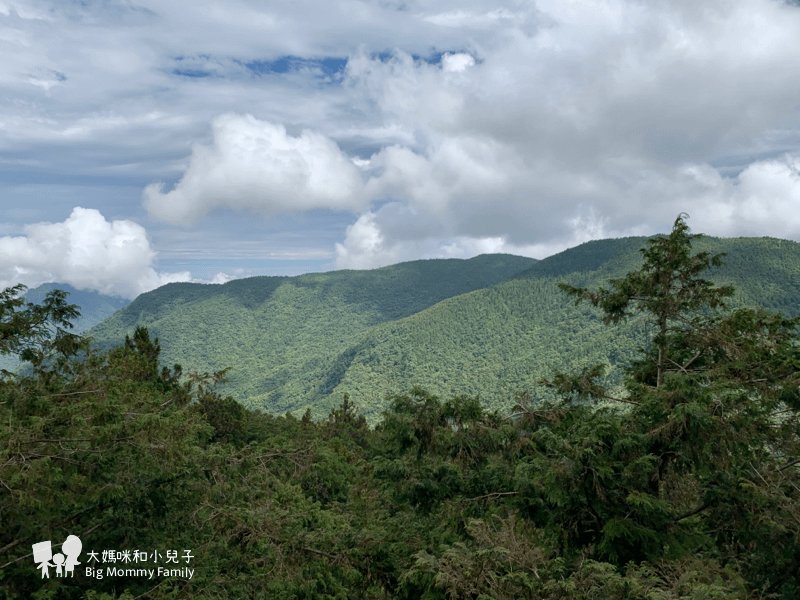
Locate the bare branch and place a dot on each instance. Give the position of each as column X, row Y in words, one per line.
column 331, row 556
column 691, row 513
column 791, row 464
column 492, row 495
column 621, row 400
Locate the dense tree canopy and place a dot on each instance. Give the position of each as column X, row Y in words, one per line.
column 712, row 435
column 684, row 483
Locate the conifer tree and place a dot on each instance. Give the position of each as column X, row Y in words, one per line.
column 668, row 287
column 707, row 457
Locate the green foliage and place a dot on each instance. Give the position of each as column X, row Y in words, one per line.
column 687, row 488
column 37, row 332
column 667, row 286
column 488, row 326
column 94, row 307
column 226, row 416
column 711, row 437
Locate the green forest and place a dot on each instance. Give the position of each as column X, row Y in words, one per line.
column 677, row 477
column 490, row 326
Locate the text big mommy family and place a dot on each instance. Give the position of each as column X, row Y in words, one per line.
column 97, row 572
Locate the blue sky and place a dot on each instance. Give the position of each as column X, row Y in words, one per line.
column 148, row 142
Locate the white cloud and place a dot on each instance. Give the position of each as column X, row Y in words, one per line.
column 454, row 167
column 764, row 199
column 363, row 247
column 584, row 128
column 477, row 20
column 539, row 147
column 543, row 124
column 220, row 278
column 85, row 251
column 256, row 165
column 395, row 234
column 457, row 62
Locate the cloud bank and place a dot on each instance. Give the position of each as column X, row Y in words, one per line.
column 85, row 251
column 565, row 122
column 377, row 131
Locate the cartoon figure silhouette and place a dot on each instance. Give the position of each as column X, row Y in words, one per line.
column 72, row 548
column 59, row 560
column 42, row 553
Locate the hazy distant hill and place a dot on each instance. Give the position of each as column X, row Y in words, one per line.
column 491, row 325
column 94, row 308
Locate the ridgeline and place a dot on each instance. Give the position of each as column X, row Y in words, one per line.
column 490, row 326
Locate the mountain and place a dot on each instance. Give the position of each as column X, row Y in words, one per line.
column 500, row 340
column 94, row 308
column 489, row 326
column 283, row 335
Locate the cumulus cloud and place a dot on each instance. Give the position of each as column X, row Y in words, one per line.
column 588, row 120
column 85, row 251
column 459, row 61
column 369, row 244
column 364, row 246
column 761, row 200
column 457, row 168
column 578, row 124
column 220, row 278
column 394, row 234
column 255, row 164
column 508, row 126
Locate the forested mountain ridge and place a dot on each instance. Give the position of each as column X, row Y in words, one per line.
column 389, row 293
column 455, row 327
column 280, row 334
column 500, row 340
column 743, row 256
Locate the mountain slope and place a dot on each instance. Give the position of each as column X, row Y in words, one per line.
column 282, row 334
column 497, row 341
column 489, row 326
column 763, row 270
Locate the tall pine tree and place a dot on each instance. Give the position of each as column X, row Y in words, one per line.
column 705, row 461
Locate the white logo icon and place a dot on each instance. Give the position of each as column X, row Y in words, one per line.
column 43, row 553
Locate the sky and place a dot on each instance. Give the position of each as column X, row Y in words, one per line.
column 146, row 142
